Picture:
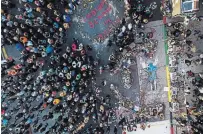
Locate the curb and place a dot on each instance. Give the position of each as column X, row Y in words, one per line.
column 168, row 73
column 138, row 69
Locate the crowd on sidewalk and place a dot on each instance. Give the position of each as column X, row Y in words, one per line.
column 185, row 65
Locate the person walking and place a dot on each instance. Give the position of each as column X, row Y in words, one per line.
column 108, row 129
column 115, row 129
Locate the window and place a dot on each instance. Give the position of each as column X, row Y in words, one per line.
column 190, row 5
column 187, row 6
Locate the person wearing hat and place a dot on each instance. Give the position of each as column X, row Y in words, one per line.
column 66, row 26
column 56, row 101
column 50, row 6
column 24, row 40
column 78, row 76
column 50, row 99
column 67, row 83
column 62, row 94
column 74, row 47
column 83, row 68
column 68, row 11
column 12, row 72
column 55, row 25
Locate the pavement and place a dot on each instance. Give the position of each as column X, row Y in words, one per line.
column 157, row 96
column 161, row 127
column 183, row 68
column 200, row 12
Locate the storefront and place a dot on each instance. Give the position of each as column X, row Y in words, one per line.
column 184, row 6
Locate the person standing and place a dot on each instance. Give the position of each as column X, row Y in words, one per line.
column 108, row 129
column 115, row 129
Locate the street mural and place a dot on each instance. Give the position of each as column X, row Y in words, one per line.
column 98, row 20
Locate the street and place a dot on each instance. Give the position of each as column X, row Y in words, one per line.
column 141, row 78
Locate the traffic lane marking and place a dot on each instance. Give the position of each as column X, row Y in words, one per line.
column 4, row 53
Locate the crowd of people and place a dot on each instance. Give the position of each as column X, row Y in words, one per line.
column 62, row 88
column 36, row 23
column 188, row 79
column 136, row 16
column 48, row 90
column 57, row 84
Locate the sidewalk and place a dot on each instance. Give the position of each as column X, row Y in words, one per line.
column 152, row 97
column 182, row 68
column 161, row 127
